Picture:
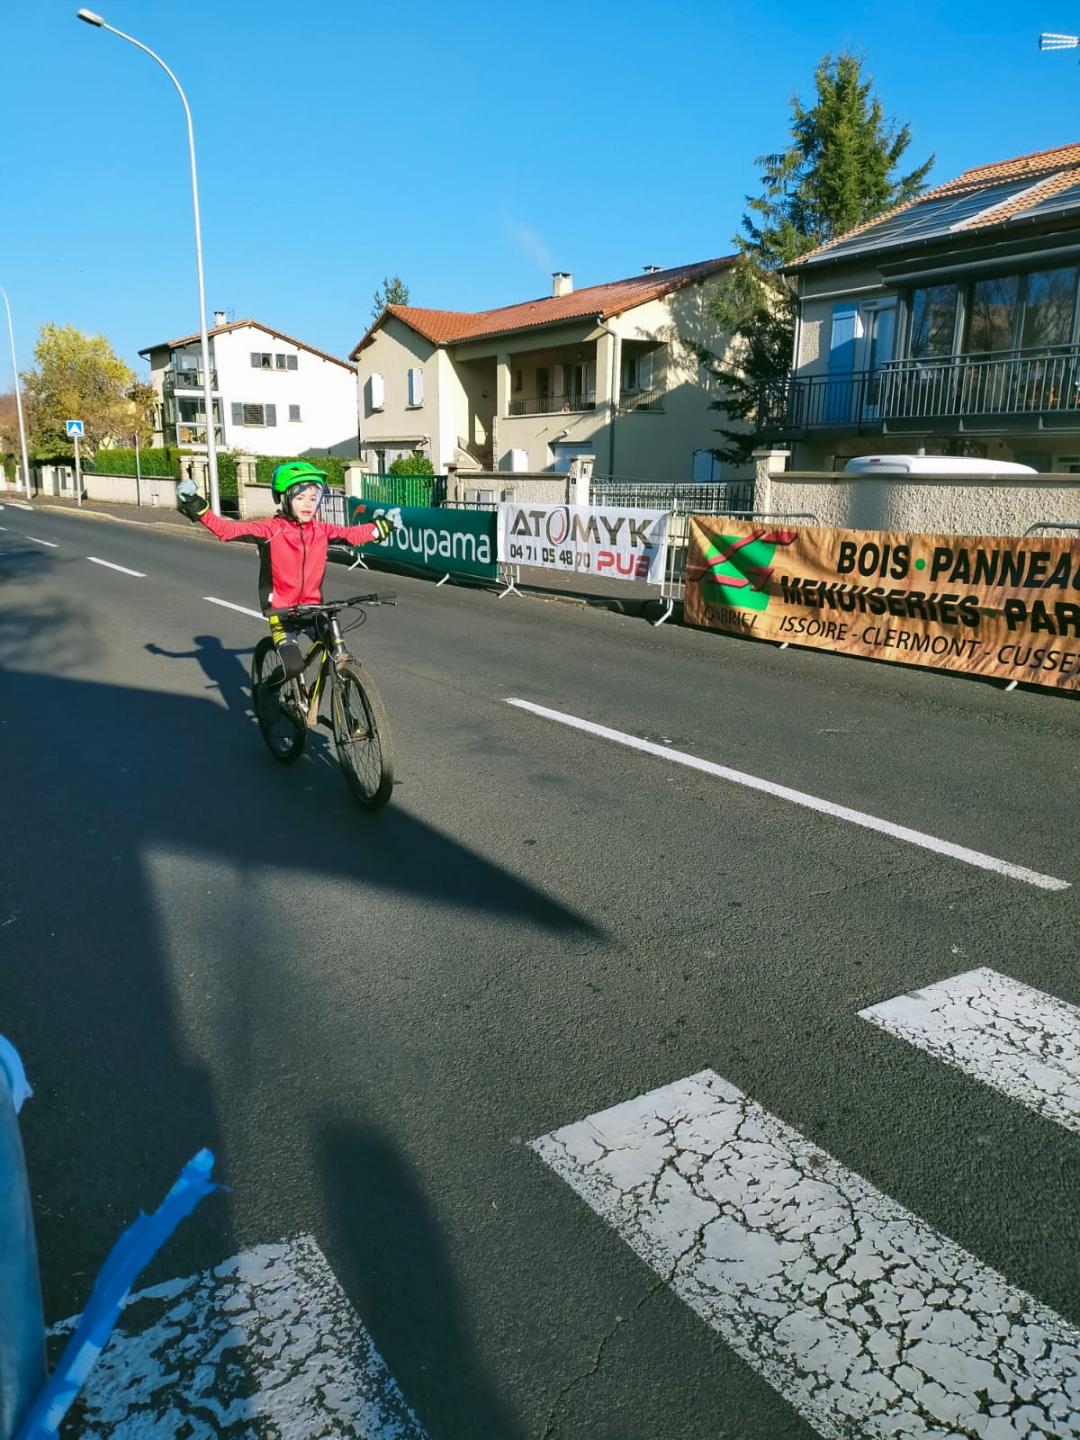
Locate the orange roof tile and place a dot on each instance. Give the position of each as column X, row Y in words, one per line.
column 1050, row 171
column 240, row 325
column 446, row 327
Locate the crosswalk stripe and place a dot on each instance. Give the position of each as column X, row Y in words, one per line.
column 264, row 1344
column 864, row 1318
column 1018, row 1040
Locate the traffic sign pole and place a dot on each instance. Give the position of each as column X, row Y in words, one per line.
column 78, row 473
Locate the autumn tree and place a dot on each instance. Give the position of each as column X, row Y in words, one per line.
column 78, row 377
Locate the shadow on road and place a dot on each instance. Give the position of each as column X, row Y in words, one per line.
column 392, row 1259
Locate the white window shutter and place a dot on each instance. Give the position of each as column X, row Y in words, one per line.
column 377, row 392
column 416, row 386
column 645, row 372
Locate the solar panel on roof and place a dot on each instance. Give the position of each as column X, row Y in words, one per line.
column 932, row 217
column 1050, row 204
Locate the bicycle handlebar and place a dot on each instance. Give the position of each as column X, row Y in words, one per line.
column 386, row 597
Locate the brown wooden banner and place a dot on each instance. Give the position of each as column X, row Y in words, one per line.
column 984, row 604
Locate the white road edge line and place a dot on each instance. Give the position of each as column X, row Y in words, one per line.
column 866, row 1319
column 51, row 543
column 799, row 797
column 139, row 574
column 228, row 604
column 1018, row 1040
column 19, row 505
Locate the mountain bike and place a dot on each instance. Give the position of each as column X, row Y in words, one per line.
column 287, row 706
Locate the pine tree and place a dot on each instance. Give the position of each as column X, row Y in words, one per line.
column 394, row 292
column 838, row 172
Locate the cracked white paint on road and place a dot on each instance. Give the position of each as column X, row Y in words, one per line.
column 263, row 1347
column 868, row 1321
column 1020, row 1041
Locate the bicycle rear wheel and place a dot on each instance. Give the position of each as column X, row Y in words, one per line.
column 284, row 733
column 362, row 737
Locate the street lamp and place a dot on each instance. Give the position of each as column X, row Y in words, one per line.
column 18, row 393
column 1058, row 42
column 208, row 396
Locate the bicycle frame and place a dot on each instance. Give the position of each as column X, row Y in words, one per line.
column 330, row 645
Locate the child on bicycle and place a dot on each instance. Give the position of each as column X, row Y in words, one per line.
column 292, row 543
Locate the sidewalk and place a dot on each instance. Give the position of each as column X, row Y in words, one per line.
column 617, row 595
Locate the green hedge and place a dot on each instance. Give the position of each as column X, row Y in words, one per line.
column 163, row 461
column 265, row 465
column 226, row 474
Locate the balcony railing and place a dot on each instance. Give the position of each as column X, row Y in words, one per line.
column 552, row 405
column 195, row 434
column 650, row 400
column 972, row 388
column 188, row 380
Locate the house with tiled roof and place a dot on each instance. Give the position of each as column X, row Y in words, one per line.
column 614, row 372
column 272, row 394
column 948, row 324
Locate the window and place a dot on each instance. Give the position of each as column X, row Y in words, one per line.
column 519, row 381
column 415, row 387
column 261, row 415
column 261, row 360
column 279, row 361
column 933, row 320
column 294, row 413
column 543, row 382
column 637, row 371
column 995, row 305
column 705, row 468
column 291, row 362
column 1048, row 307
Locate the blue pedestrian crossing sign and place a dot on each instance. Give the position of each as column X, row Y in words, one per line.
column 74, row 427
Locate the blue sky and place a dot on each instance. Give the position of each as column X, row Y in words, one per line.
column 470, row 148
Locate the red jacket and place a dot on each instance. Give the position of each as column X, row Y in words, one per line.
column 292, row 556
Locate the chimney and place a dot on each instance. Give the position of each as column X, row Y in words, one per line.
column 562, row 282
column 652, row 269
column 220, row 318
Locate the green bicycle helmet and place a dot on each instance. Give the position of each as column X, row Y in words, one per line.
column 296, row 472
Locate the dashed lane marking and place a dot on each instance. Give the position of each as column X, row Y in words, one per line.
column 228, row 604
column 864, row 1318
column 1017, row 1040
column 139, row 574
column 799, row 797
column 50, row 543
column 263, row 1346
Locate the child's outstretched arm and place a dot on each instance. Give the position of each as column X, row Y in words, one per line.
column 192, row 504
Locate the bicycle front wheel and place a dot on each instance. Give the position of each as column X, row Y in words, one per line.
column 284, row 733
column 362, row 736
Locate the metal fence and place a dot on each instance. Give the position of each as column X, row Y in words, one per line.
column 719, row 498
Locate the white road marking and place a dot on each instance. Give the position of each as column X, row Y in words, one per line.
column 19, row 505
column 800, row 797
column 51, row 543
column 139, row 574
column 228, row 604
column 863, row 1317
column 264, row 1345
column 1016, row 1039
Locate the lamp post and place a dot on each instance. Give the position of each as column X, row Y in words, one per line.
column 18, row 394
column 208, row 396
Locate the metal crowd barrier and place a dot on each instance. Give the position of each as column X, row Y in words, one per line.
column 22, row 1324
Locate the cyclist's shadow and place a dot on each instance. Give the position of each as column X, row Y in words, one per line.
column 224, row 668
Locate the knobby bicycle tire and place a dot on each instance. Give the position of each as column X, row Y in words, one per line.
column 284, row 733
column 362, row 736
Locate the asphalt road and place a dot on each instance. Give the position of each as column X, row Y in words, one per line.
column 368, row 1019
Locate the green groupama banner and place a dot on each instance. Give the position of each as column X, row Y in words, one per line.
column 445, row 541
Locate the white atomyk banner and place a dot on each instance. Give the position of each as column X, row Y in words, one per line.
column 624, row 544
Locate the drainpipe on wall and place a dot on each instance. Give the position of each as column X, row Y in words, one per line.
column 613, row 402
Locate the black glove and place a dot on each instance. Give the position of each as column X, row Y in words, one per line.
column 385, row 527
column 188, row 500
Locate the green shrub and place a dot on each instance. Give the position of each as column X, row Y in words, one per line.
column 265, row 465
column 162, row 461
column 414, row 464
column 226, row 474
